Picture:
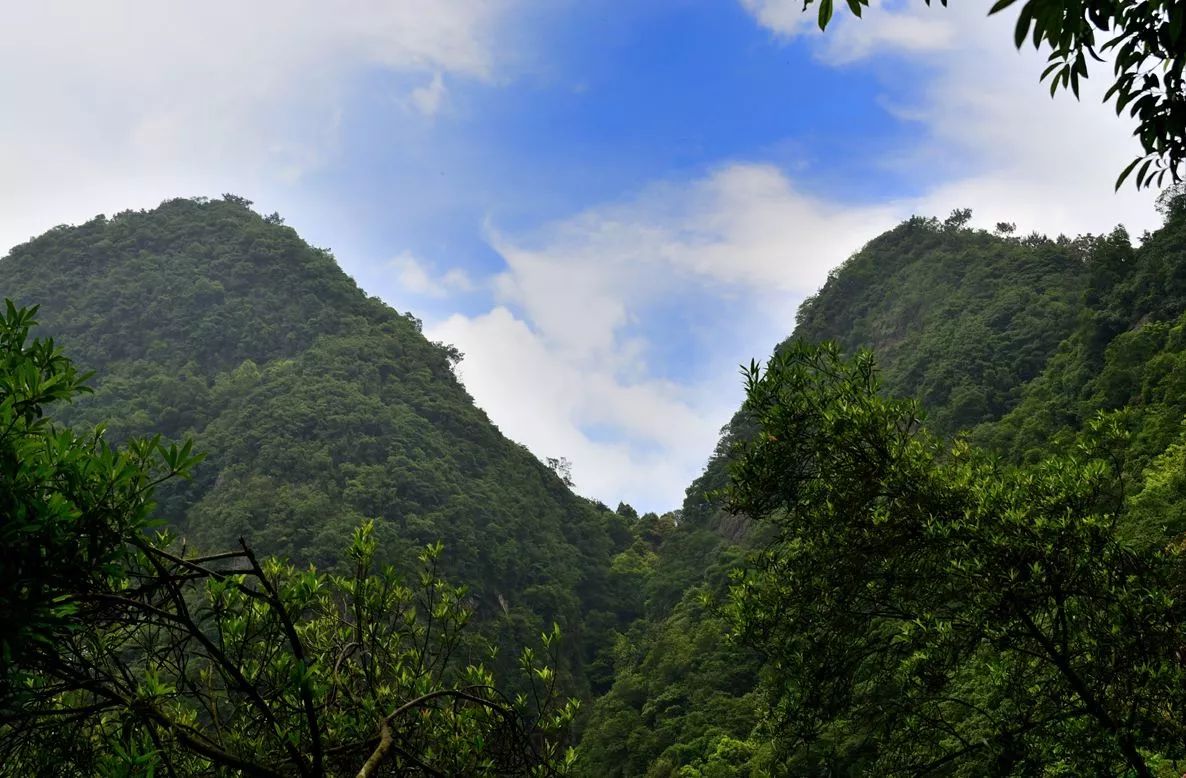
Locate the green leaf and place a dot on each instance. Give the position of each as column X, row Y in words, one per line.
column 1143, row 171
column 825, row 13
column 1023, row 24
column 1127, row 171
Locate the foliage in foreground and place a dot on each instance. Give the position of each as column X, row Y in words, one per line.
column 927, row 609
column 194, row 666
column 67, row 502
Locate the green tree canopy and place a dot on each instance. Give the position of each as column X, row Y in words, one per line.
column 925, row 608
column 200, row 665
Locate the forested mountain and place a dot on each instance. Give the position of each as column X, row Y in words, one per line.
column 1020, row 338
column 317, row 407
column 960, row 319
column 1058, row 367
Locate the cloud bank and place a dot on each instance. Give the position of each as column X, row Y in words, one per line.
column 124, row 103
column 989, row 136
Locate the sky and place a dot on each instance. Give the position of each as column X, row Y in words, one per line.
column 607, row 206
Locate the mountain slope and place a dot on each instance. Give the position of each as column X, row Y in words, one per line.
column 960, row 319
column 1123, row 354
column 317, row 407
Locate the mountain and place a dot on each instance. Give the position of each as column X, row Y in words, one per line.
column 963, row 320
column 1122, row 354
column 317, row 406
column 959, row 319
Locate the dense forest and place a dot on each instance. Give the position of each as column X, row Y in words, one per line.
column 941, row 537
column 1023, row 345
column 316, row 407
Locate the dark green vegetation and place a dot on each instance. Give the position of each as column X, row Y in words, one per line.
column 928, row 609
column 317, row 407
column 68, row 501
column 958, row 318
column 983, row 577
column 962, row 319
column 125, row 655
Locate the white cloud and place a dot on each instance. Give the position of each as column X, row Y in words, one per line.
column 742, row 227
column 784, row 17
column 429, row 98
column 989, row 136
column 418, row 278
column 124, row 103
column 844, row 42
column 894, row 27
column 566, row 362
column 547, row 403
column 924, row 31
column 1048, row 164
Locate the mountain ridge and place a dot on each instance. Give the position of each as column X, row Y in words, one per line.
column 317, row 406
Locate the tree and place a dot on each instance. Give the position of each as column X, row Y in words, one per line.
column 958, row 219
column 562, row 467
column 68, row 503
column 924, row 608
column 1147, row 44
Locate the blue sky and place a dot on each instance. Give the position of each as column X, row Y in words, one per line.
column 607, row 206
